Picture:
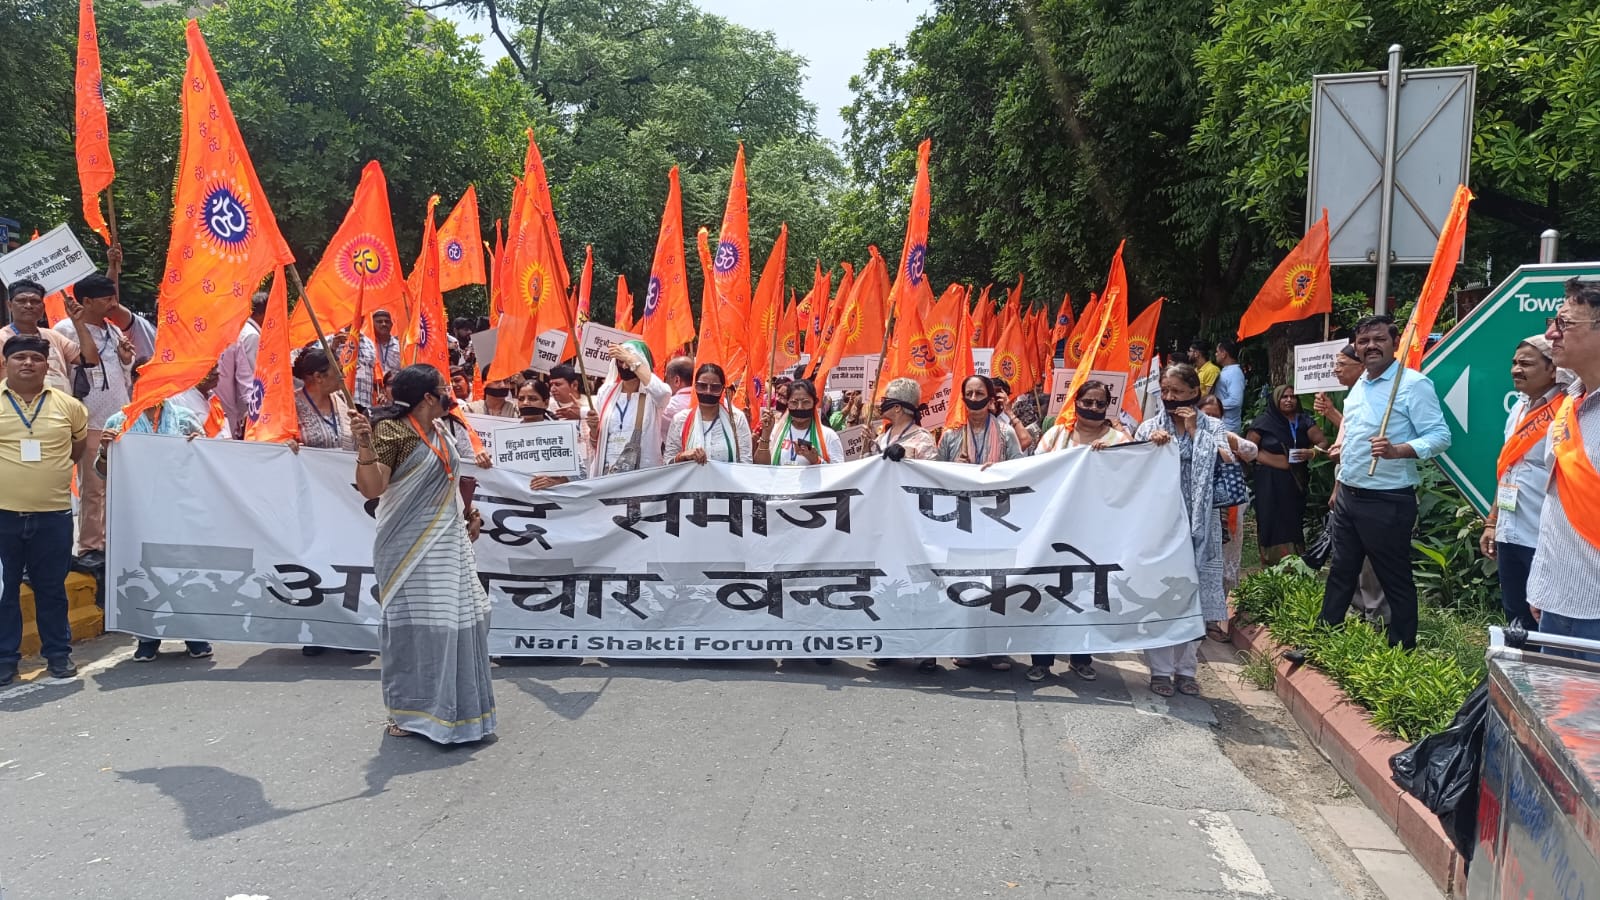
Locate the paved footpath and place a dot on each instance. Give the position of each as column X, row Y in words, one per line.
column 263, row 774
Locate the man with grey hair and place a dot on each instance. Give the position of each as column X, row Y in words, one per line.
column 1561, row 585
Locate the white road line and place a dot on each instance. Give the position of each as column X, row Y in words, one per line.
column 46, row 682
column 1241, row 872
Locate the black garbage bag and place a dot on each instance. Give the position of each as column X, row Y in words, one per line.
column 1316, row 555
column 1441, row 770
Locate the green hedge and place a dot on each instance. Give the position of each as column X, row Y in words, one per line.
column 1408, row 695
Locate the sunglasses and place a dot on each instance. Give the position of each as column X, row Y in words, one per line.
column 709, row 388
column 1561, row 325
column 1095, row 404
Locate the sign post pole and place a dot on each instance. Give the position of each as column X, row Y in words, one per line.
column 1380, row 296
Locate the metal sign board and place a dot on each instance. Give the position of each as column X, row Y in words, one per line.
column 1471, row 370
column 1433, row 141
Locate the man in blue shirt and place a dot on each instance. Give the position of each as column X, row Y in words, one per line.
column 1376, row 513
column 1230, row 385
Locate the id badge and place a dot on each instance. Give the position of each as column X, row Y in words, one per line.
column 1505, row 497
column 31, row 450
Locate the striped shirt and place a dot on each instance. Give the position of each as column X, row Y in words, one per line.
column 1567, row 567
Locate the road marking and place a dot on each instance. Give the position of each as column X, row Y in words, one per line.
column 89, row 668
column 1241, row 872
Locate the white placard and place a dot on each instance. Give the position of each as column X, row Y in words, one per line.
column 548, row 349
column 981, row 358
column 596, row 342
column 854, row 373
column 1313, row 367
column 483, row 344
column 939, row 405
column 855, row 442
column 485, row 427
column 1090, row 554
column 55, row 260
column 1062, row 379
column 537, row 448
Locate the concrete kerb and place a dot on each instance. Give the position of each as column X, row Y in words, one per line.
column 1340, row 731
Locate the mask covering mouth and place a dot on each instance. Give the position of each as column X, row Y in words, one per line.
column 802, row 415
column 1172, row 405
column 708, row 399
column 1091, row 415
column 532, row 412
column 976, row 405
column 497, row 392
column 627, row 374
column 446, row 401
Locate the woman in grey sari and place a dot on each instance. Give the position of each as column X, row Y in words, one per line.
column 1202, row 441
column 435, row 631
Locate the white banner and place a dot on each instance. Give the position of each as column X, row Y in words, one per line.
column 483, row 344
column 548, row 348
column 537, row 448
column 55, row 260
column 854, row 373
column 1071, row 552
column 1062, row 379
column 485, row 427
column 981, row 358
column 1313, row 367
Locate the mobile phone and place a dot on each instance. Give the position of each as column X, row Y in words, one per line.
column 805, row 445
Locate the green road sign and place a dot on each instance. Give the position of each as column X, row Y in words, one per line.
column 1471, row 370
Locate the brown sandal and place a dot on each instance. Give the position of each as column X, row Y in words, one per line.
column 1188, row 686
column 394, row 730
column 1161, row 685
column 1215, row 632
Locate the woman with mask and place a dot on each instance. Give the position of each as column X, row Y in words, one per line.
column 533, row 402
column 903, row 436
column 1092, row 428
column 1289, row 439
column 709, row 430
column 798, row 439
column 1201, row 441
column 496, row 401
column 435, row 628
column 625, row 428
column 983, row 441
column 1240, row 450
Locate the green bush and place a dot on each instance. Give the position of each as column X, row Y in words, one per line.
column 1407, row 694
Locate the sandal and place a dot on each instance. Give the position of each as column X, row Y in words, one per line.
column 1215, row 632
column 1038, row 673
column 1188, row 686
column 1085, row 671
column 962, row 662
column 999, row 664
column 1161, row 685
column 394, row 730
column 928, row 665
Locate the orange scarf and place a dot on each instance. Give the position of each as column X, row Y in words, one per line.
column 1535, row 425
column 1576, row 478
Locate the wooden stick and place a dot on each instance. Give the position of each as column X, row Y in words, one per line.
column 583, row 374
column 300, row 288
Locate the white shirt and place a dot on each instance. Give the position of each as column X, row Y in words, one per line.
column 618, row 414
column 789, row 454
column 1531, row 475
column 236, row 373
column 725, row 439
column 110, row 382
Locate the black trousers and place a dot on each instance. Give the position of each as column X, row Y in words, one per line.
column 1516, row 564
column 1376, row 526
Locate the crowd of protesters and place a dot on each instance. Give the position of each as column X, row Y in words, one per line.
column 66, row 386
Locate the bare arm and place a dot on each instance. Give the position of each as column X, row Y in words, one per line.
column 372, row 477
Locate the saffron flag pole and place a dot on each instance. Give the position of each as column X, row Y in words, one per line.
column 224, row 240
column 1434, row 289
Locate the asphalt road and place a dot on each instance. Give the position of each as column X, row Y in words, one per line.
column 265, row 774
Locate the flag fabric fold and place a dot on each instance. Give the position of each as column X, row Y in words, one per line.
column 668, row 323
column 1141, row 349
column 359, row 273
column 461, row 244
column 1437, row 285
column 765, row 310
column 92, row 135
column 623, row 317
column 224, row 240
column 272, row 415
column 426, row 340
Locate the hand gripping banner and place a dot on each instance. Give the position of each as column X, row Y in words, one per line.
column 1073, row 552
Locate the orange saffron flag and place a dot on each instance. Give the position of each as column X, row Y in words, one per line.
column 272, row 415
column 911, row 352
column 731, row 271
column 623, row 320
column 93, row 133
column 427, row 341
column 944, row 325
column 495, row 275
column 708, row 344
column 534, row 292
column 1013, row 358
column 911, row 278
column 668, row 315
column 216, row 417
column 1437, row 284
column 1300, row 287
column 1073, row 352
column 866, row 318
column 359, row 272
column 1105, row 315
column 765, row 310
column 830, row 321
column 1141, row 348
column 1112, row 355
column 539, row 183
column 983, row 330
column 961, row 368
column 461, row 244
column 224, row 240
column 1064, row 322
column 585, row 284
column 789, row 331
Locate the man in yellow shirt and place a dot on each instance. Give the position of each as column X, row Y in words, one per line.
column 42, row 430
column 1200, row 358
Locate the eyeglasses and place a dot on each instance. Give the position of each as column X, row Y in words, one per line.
column 1095, row 404
column 1561, row 325
column 28, row 300
column 708, row 388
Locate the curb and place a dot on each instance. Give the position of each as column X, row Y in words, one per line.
column 1340, row 731
column 86, row 618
